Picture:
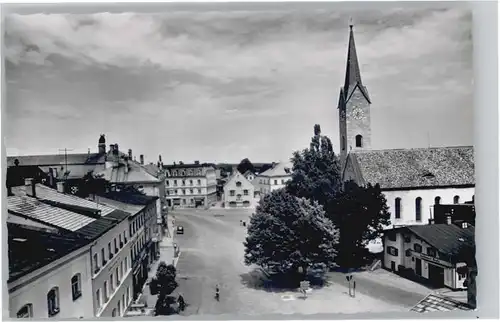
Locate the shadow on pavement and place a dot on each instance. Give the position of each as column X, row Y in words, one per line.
column 257, row 280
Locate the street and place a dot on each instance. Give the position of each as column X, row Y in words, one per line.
column 212, row 254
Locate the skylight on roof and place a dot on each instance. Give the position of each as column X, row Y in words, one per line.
column 21, row 240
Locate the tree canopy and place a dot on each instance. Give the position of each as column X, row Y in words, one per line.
column 164, row 284
column 287, row 233
column 359, row 213
column 245, row 165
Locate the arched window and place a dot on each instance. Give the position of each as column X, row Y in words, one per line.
column 25, row 312
column 397, row 206
column 359, row 141
column 76, row 286
column 113, row 313
column 437, row 200
column 238, row 184
column 456, row 199
column 418, row 209
column 53, row 301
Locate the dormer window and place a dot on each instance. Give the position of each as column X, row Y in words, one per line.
column 238, row 184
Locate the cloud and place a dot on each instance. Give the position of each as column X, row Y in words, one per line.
column 266, row 75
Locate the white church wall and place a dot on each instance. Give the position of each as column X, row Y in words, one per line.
column 408, row 204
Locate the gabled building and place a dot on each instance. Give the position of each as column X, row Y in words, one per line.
column 437, row 254
column 273, row 178
column 190, row 185
column 238, row 192
column 249, row 175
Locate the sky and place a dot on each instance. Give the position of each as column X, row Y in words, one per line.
column 223, row 85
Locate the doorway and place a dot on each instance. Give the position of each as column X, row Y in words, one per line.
column 418, row 266
column 436, row 275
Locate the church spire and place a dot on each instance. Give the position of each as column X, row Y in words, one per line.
column 352, row 73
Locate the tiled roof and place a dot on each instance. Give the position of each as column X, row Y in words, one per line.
column 44, row 192
column 448, row 239
column 37, row 210
column 57, row 159
column 189, row 165
column 131, row 209
column 416, row 168
column 279, row 170
column 30, row 249
column 435, row 303
column 102, row 225
column 135, row 174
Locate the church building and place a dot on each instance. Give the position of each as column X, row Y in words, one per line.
column 413, row 180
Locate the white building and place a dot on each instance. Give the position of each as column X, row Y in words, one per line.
column 106, row 228
column 190, row 185
column 249, row 175
column 435, row 254
column 49, row 273
column 273, row 179
column 238, row 192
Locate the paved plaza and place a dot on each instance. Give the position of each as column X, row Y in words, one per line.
column 212, row 253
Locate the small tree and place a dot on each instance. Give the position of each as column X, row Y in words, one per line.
column 245, row 165
column 288, row 235
column 164, row 284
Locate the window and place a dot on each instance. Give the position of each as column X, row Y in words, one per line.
column 111, row 285
column 98, row 299
column 128, row 294
column 418, row 209
column 167, row 183
column 456, row 199
column 190, row 182
column 183, row 182
column 245, row 192
column 431, row 252
column 391, row 236
column 103, row 257
column 282, row 181
column 408, row 253
column 407, row 238
column 121, row 269
column 25, row 312
column 53, row 301
column 238, row 184
column 126, row 263
column 120, row 239
column 124, row 303
column 359, row 141
column 199, row 191
column 119, row 308
column 183, row 191
column 232, row 193
column 96, row 263
column 191, row 191
column 275, row 181
column 437, row 200
column 109, row 251
column 76, row 286
column 106, row 291
column 397, row 207
column 113, row 314
column 392, row 251
column 175, row 183
column 117, row 273
column 238, row 197
column 417, row 248
column 199, row 182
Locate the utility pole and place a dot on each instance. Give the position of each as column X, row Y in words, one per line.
column 65, row 161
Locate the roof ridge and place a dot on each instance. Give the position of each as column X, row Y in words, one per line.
column 415, row 148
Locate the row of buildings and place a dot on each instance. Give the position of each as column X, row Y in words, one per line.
column 83, row 232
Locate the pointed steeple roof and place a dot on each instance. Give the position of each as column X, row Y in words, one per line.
column 352, row 73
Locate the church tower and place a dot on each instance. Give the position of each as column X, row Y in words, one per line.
column 354, row 107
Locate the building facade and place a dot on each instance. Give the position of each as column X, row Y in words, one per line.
column 272, row 179
column 49, row 274
column 190, row 185
column 238, row 192
column 434, row 254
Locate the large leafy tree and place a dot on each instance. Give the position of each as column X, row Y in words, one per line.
column 316, row 171
column 359, row 213
column 164, row 284
column 289, row 235
column 245, row 165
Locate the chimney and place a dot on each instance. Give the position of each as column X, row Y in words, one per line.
column 448, row 220
column 30, row 187
column 196, row 162
column 130, row 154
column 141, row 157
column 116, row 149
column 60, row 186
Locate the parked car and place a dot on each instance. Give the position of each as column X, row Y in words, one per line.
column 180, row 230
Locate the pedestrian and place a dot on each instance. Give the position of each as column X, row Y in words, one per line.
column 182, row 303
